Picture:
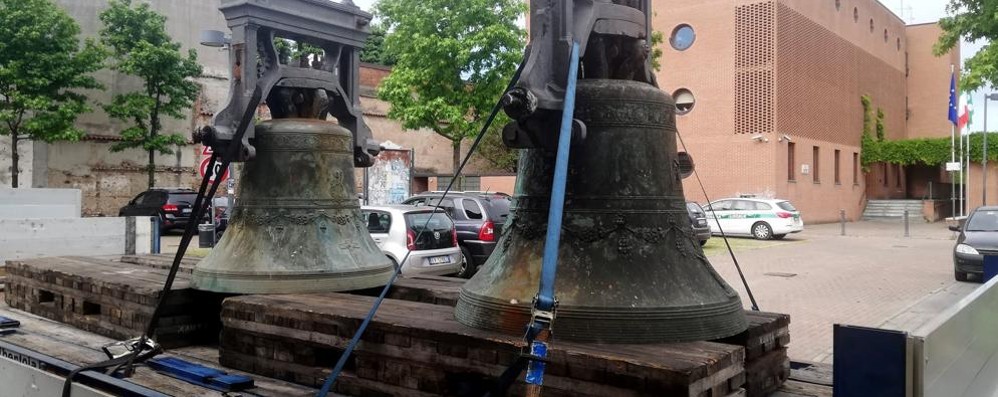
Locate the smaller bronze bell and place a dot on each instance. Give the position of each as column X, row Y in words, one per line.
column 296, row 226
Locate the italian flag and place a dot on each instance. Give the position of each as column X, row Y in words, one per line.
column 966, row 112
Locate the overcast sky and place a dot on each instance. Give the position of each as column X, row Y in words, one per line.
column 912, row 11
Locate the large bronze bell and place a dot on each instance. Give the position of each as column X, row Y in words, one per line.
column 296, row 226
column 630, row 269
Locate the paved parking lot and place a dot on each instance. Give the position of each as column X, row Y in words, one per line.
column 873, row 276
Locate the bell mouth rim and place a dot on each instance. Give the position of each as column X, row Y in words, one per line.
column 610, row 311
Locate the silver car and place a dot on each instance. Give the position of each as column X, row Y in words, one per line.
column 428, row 238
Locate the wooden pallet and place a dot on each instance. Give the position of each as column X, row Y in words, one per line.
column 414, row 337
column 418, row 349
column 767, row 365
column 112, row 298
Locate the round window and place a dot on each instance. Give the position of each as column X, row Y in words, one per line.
column 682, row 37
column 684, row 101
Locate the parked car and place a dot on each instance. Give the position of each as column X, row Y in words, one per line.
column 428, row 237
column 172, row 205
column 763, row 219
column 479, row 218
column 698, row 218
column 978, row 237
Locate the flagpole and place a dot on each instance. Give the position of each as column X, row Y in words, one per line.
column 963, row 181
column 952, row 145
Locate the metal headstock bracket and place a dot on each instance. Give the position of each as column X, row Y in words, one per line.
column 326, row 85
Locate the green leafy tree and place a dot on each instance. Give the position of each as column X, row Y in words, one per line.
column 374, row 49
column 141, row 47
column 454, row 61
column 972, row 20
column 41, row 63
column 657, row 38
column 493, row 150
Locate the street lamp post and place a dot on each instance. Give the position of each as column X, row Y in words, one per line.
column 984, row 159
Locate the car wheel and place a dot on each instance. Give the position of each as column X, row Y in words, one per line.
column 779, row 236
column 468, row 266
column 762, row 231
column 961, row 276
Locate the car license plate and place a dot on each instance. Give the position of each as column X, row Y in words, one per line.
column 439, row 260
column 186, row 211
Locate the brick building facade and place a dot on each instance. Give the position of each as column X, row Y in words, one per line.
column 775, row 88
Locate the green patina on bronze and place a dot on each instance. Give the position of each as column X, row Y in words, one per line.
column 296, row 226
column 630, row 269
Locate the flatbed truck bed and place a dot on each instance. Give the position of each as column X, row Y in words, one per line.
column 77, row 347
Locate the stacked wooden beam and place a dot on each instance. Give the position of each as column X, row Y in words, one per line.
column 767, row 365
column 112, row 298
column 418, row 349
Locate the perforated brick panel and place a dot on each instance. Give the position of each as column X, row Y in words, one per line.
column 755, row 52
column 754, row 27
column 821, row 78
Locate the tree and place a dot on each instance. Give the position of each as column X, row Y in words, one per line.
column 493, row 150
column 374, row 49
column 41, row 61
column 454, row 61
column 141, row 47
column 972, row 20
column 657, row 38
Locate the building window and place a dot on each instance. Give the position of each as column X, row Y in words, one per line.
column 838, row 178
column 899, row 44
column 791, row 162
column 685, row 101
column 871, row 25
column 884, row 171
column 897, row 175
column 855, row 14
column 886, row 36
column 855, row 169
column 816, row 161
column 682, row 37
column 466, row 183
column 838, row 5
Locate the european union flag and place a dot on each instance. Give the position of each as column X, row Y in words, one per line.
column 954, row 116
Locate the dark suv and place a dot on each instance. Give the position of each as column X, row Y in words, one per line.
column 698, row 217
column 172, row 206
column 479, row 218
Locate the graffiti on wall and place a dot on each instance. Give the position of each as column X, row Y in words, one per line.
column 389, row 179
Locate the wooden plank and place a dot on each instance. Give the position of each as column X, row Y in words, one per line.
column 78, row 347
column 794, row 388
column 819, row 374
column 261, row 331
column 114, row 299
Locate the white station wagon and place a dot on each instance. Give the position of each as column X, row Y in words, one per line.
column 763, row 219
column 430, row 237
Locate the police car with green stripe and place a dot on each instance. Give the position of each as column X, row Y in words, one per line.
column 763, row 219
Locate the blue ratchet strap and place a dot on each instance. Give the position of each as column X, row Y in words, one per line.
column 544, row 305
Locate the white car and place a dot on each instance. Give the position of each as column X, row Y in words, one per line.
column 763, row 219
column 429, row 238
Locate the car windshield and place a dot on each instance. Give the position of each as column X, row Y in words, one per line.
column 983, row 221
column 433, row 222
column 786, row 206
column 182, row 198
column 498, row 207
column 694, row 208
